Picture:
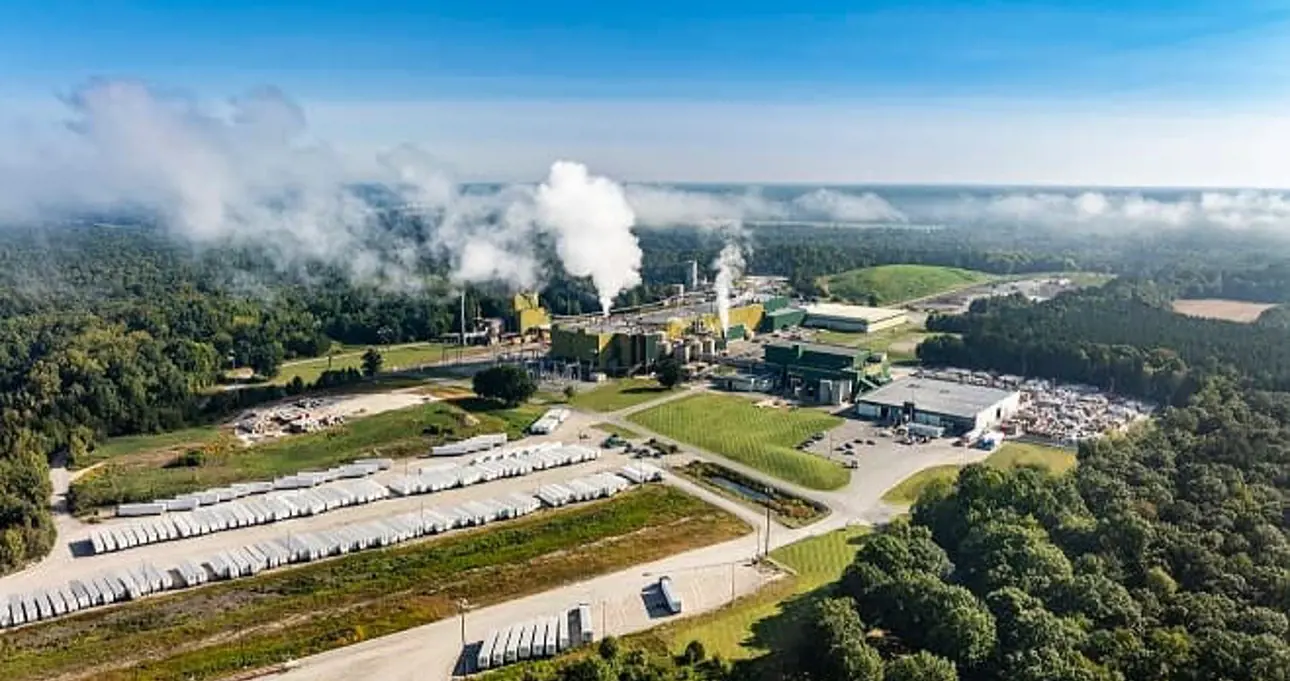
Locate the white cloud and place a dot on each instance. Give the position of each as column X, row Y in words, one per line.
column 1117, row 211
column 664, row 206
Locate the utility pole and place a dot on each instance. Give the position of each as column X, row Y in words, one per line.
column 461, row 610
column 767, row 531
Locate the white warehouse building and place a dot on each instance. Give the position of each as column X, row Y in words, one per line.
column 958, row 408
column 840, row 317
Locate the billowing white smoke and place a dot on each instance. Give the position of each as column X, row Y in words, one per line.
column 591, row 221
column 245, row 174
column 730, row 266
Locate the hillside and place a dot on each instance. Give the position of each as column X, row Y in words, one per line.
column 892, row 284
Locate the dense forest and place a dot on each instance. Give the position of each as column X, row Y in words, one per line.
column 1122, row 337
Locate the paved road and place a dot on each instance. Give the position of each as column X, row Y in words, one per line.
column 433, row 652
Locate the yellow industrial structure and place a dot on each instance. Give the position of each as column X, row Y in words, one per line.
column 634, row 341
column 529, row 313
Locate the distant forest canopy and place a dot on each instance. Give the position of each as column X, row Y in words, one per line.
column 116, row 329
column 1122, row 337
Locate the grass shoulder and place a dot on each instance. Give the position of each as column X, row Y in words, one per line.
column 761, row 438
column 621, row 431
column 257, row 622
column 788, row 509
column 1010, row 455
column 618, row 395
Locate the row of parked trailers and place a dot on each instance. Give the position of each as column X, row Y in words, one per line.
column 135, row 582
column 520, row 462
column 542, row 637
column 550, row 421
column 470, row 445
column 303, row 480
column 236, row 514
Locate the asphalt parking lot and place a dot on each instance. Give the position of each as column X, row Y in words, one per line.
column 851, row 442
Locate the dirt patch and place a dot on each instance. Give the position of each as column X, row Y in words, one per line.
column 1216, row 308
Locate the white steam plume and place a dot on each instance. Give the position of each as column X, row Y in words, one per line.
column 591, row 221
column 730, row 266
column 245, row 174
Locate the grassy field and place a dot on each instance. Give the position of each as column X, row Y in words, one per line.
column 618, row 395
column 620, row 431
column 893, row 284
column 1010, row 455
column 763, row 439
column 396, row 357
column 251, row 623
column 143, row 475
column 900, row 343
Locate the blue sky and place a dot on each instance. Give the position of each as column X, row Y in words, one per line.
column 665, row 89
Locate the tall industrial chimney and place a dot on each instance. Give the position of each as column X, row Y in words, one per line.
column 692, row 276
column 463, row 316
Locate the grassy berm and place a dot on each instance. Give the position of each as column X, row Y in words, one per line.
column 216, row 631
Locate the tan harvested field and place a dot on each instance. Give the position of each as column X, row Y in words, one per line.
column 1217, row 308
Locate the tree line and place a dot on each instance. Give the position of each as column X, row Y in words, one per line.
column 1122, row 337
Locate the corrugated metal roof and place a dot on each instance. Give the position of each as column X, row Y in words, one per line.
column 938, row 397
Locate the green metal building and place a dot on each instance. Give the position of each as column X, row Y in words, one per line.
column 783, row 318
column 830, row 373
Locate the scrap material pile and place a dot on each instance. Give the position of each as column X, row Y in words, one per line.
column 1062, row 413
column 302, row 416
column 130, row 583
column 1069, row 414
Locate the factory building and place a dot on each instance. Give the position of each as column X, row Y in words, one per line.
column 528, row 314
column 606, row 348
column 830, row 374
column 957, row 408
column 840, row 317
column 783, row 318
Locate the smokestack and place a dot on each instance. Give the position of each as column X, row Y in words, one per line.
column 463, row 316
column 692, row 276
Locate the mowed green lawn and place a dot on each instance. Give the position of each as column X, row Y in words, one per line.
column 397, row 357
column 1010, row 455
column 618, row 395
column 748, row 628
column 892, row 284
column 763, row 439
